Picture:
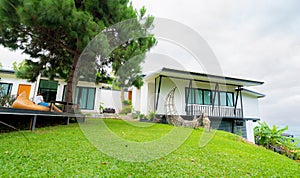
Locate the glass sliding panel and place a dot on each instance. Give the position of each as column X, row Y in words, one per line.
column 90, row 99
column 76, row 96
column 229, row 99
column 215, row 94
column 83, row 98
column 199, row 96
column 223, row 99
column 190, row 94
column 207, row 97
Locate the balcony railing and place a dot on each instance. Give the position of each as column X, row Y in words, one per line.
column 218, row 111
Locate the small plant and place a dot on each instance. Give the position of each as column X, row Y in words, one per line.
column 143, row 116
column 126, row 110
column 126, row 102
column 151, row 115
column 101, row 107
column 137, row 115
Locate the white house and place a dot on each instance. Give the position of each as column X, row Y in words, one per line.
column 224, row 99
column 230, row 105
column 88, row 94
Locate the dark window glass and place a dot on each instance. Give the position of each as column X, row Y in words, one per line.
column 199, row 96
column 229, row 99
column 223, row 101
column 202, row 96
column 5, row 88
column 207, row 97
column 85, row 97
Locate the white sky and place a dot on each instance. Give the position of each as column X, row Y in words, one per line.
column 252, row 39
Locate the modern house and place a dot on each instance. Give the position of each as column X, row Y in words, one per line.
column 227, row 101
column 88, row 94
column 224, row 99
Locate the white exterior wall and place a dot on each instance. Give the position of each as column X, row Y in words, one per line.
column 136, row 99
column 251, row 110
column 250, row 106
column 110, row 98
column 166, row 86
column 250, row 130
column 150, row 98
column 10, row 78
column 144, row 99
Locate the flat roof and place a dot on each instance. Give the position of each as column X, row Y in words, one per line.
column 254, row 93
column 7, row 71
column 189, row 75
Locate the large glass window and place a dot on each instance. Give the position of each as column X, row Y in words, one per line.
column 205, row 97
column 49, row 89
column 199, row 96
column 85, row 97
column 229, row 99
column 5, row 88
column 223, row 100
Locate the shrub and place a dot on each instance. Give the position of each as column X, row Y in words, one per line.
column 101, row 107
column 126, row 102
column 272, row 138
column 7, row 100
column 126, row 110
column 136, row 115
column 151, row 115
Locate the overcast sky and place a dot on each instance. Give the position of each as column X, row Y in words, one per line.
column 252, row 39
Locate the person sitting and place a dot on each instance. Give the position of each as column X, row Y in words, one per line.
column 39, row 100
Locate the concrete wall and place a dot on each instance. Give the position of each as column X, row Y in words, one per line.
column 250, row 130
column 250, row 105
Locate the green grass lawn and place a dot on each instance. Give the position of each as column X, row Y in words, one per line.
column 64, row 151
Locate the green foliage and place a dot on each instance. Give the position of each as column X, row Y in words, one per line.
column 64, row 151
column 272, row 138
column 6, row 100
column 101, row 107
column 57, row 32
column 126, row 109
column 136, row 115
column 126, row 102
column 268, row 136
column 151, row 115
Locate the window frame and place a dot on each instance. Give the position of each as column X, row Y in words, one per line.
column 193, row 97
column 8, row 92
column 87, row 96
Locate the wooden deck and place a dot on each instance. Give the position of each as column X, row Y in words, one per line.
column 7, row 113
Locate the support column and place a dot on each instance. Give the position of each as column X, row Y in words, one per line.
column 187, row 98
column 214, row 97
column 158, row 92
column 236, row 100
column 242, row 109
column 33, row 122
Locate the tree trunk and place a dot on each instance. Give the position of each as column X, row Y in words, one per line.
column 122, row 96
column 72, row 81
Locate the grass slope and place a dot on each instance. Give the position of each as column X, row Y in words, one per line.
column 64, row 151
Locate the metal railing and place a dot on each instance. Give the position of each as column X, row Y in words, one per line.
column 217, row 111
